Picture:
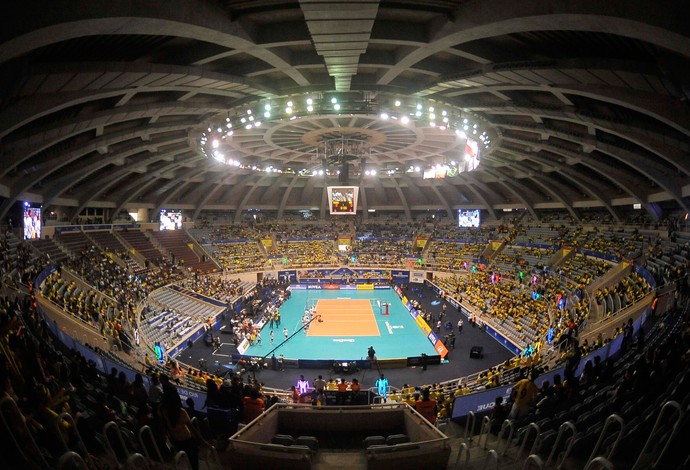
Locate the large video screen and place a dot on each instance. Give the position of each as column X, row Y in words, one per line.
column 32, row 222
column 471, row 158
column 170, row 220
column 343, row 199
column 468, row 218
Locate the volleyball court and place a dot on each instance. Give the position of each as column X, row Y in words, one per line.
column 345, row 317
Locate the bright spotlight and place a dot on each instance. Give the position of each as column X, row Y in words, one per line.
column 405, row 120
column 397, row 102
column 310, row 101
column 220, row 129
column 373, row 172
column 384, row 116
column 267, row 107
column 320, row 172
column 249, row 111
column 310, row 108
column 267, row 114
column 215, row 143
column 334, row 100
column 417, row 169
column 288, row 110
column 336, row 107
column 289, row 104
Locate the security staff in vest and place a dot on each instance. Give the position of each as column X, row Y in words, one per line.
column 427, row 407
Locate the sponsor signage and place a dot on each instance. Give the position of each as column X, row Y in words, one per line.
column 365, row 286
column 400, row 277
column 288, row 275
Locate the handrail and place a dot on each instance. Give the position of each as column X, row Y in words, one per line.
column 71, row 460
column 612, row 419
column 108, row 429
column 532, row 461
column 525, row 436
column 491, row 456
column 182, row 461
column 146, row 433
column 484, row 432
column 469, row 426
column 463, row 449
column 508, row 427
column 599, row 462
column 645, row 459
column 74, row 430
column 9, row 407
column 137, row 461
column 560, row 458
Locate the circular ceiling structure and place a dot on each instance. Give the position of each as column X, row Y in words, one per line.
column 117, row 106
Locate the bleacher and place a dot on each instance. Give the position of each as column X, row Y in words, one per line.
column 175, row 315
column 75, row 242
column 141, row 244
column 48, row 247
column 177, row 243
column 109, row 242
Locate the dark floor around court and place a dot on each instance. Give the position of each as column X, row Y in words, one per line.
column 459, row 363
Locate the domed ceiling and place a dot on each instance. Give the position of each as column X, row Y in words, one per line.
column 232, row 105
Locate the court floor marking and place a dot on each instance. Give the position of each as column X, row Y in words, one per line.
column 216, row 353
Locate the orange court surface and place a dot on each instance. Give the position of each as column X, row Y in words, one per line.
column 344, row 317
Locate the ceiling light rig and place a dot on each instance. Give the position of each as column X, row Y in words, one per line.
column 414, row 112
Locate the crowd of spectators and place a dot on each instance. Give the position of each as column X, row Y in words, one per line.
column 90, row 306
column 18, row 262
column 379, row 251
column 452, row 256
column 103, row 273
column 468, row 234
column 216, row 287
column 300, row 254
column 583, row 269
column 630, row 289
column 48, row 382
column 238, row 256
